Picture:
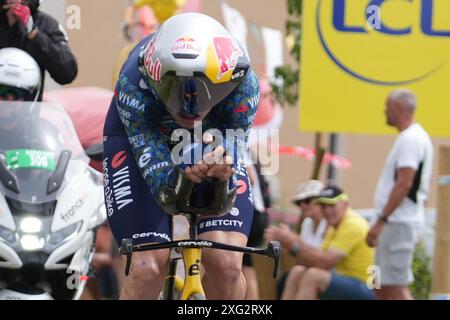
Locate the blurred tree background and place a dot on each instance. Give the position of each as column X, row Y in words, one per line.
column 285, row 85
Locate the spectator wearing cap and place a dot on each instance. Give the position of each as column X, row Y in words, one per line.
column 313, row 226
column 339, row 269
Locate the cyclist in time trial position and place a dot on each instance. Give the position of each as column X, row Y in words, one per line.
column 190, row 72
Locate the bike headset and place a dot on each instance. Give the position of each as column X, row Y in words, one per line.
column 20, row 75
column 192, row 63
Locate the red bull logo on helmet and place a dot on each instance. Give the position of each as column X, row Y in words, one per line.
column 152, row 66
column 186, row 48
column 222, row 57
column 228, row 54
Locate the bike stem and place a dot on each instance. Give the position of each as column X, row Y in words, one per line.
column 193, row 220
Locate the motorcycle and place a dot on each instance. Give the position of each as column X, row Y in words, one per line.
column 51, row 204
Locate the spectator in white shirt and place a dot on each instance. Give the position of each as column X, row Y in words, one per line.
column 400, row 197
column 313, row 227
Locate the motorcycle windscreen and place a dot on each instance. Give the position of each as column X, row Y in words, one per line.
column 35, row 138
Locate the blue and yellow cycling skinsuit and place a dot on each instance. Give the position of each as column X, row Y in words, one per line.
column 137, row 156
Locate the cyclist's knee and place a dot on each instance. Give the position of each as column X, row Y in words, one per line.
column 148, row 265
column 146, row 276
column 223, row 266
column 226, row 266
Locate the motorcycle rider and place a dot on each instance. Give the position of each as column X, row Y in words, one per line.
column 29, row 125
column 20, row 83
column 23, row 26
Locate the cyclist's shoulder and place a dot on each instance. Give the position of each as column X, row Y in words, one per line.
column 240, row 106
column 130, row 72
column 132, row 89
column 248, row 90
column 249, row 86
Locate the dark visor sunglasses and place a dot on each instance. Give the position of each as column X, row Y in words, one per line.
column 305, row 201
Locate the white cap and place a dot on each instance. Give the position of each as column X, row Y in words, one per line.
column 308, row 189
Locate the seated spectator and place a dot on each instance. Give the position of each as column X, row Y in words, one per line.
column 339, row 270
column 313, row 225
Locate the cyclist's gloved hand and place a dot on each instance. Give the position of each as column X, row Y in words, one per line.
column 211, row 197
column 194, row 153
column 203, row 192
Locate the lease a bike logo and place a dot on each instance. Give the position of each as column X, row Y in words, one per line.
column 117, row 183
column 403, row 48
column 145, row 158
column 241, row 186
column 241, row 108
column 194, row 269
column 118, row 159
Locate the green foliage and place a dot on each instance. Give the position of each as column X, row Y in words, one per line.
column 293, row 25
column 285, row 87
column 285, row 84
column 420, row 288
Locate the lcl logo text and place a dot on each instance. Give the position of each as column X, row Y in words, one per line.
column 373, row 15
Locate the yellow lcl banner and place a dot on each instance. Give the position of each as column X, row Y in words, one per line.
column 355, row 52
